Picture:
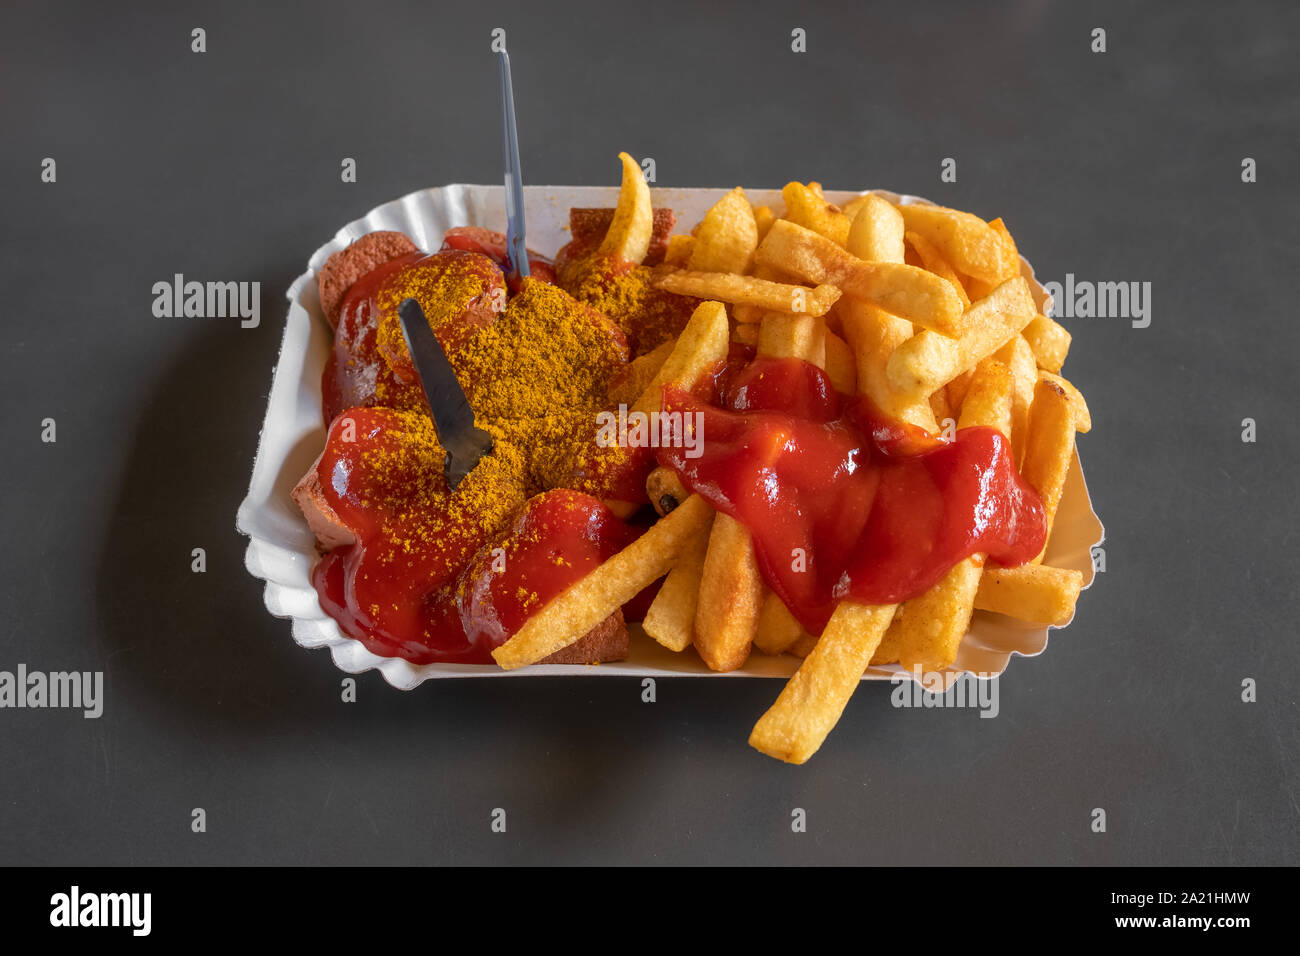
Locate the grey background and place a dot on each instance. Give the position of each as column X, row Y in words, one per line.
column 1122, row 166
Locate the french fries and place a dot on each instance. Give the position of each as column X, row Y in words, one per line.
column 928, row 361
column 671, row 617
column 1050, row 446
column 969, row 243
column 606, row 589
column 701, row 346
column 748, row 290
column 922, row 310
column 728, row 236
column 1031, row 592
column 906, row 291
column 813, row 699
column 629, row 234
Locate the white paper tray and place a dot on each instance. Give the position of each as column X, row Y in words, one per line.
column 281, row 549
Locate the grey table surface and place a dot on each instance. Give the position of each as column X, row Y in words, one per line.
column 1123, row 165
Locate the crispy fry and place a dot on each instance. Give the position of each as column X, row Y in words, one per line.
column 763, row 219
column 872, row 333
column 1049, row 340
column 793, row 336
column 665, row 490
column 809, row 208
column 728, row 236
column 877, row 231
column 629, row 234
column 611, row 585
column 731, row 592
column 803, row 645
column 956, row 389
column 814, row 698
column 1031, row 592
column 671, row 617
column 900, row 289
column 1082, row 417
column 965, row 240
column 1050, row 447
column 777, row 627
column 1019, row 358
column 932, row 259
column 702, row 344
column 679, row 250
column 841, row 366
column 639, row 374
column 928, row 361
column 932, row 625
column 749, row 290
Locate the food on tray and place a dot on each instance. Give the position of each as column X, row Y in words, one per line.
column 828, row 432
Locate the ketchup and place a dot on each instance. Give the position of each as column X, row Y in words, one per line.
column 845, row 503
column 493, row 245
column 430, row 578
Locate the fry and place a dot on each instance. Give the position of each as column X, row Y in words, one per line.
column 728, row 236
column 1019, row 359
column 731, row 592
column 1049, row 340
column 814, row 698
column 745, row 333
column 611, row 585
column 777, row 627
column 702, row 344
column 665, row 490
column 877, row 231
column 1082, row 417
column 932, row 625
column 793, row 336
column 679, row 250
column 748, row 290
column 671, row 617
column 903, row 290
column 1031, row 592
column 872, row 333
column 840, row 364
column 808, row 208
column 933, row 261
column 628, row 238
column 803, row 645
column 1050, row 447
column 927, row 361
column 639, row 374
column 763, row 219
column 969, row 243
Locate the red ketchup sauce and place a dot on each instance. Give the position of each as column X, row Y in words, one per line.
column 493, row 245
column 424, row 580
column 881, row 510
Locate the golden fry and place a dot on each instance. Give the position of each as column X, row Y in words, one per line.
column 906, row 291
column 728, row 236
column 1031, row 592
column 670, row 619
column 611, row 585
column 628, row 238
column 928, row 361
column 749, row 290
column 969, row 243
column 702, row 344
column 731, row 593
column 814, row 698
column 1049, row 340
column 777, row 627
column 808, row 208
column 1050, row 447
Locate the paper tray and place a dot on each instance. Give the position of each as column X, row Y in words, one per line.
column 281, row 549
